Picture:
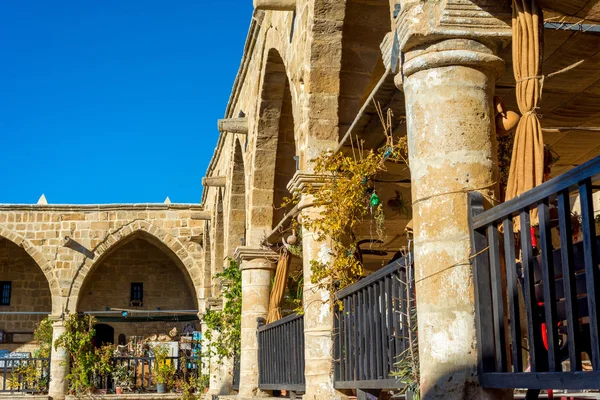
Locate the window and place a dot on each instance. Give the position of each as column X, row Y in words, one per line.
column 5, row 293
column 137, row 294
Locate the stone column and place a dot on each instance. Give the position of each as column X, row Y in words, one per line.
column 59, row 363
column 449, row 87
column 318, row 316
column 257, row 267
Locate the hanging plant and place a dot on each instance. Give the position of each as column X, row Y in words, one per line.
column 347, row 195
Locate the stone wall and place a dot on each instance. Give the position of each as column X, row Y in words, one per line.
column 30, row 293
column 93, row 232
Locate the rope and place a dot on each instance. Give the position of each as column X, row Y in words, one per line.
column 464, row 190
column 542, row 78
column 458, row 264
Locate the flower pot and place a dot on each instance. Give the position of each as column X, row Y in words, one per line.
column 161, row 388
column 119, row 390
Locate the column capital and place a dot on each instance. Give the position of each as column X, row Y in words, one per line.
column 56, row 318
column 302, row 180
column 420, row 21
column 246, row 253
column 454, row 32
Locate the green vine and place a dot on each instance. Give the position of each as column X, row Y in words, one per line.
column 78, row 341
column 43, row 337
column 224, row 326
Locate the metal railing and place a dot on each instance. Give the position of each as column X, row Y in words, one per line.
column 236, row 374
column 370, row 328
column 537, row 292
column 142, row 372
column 24, row 375
column 281, row 355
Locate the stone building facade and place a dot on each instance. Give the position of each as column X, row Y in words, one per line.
column 310, row 75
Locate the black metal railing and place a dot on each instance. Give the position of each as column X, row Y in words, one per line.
column 537, row 291
column 236, row 373
column 371, row 330
column 24, row 375
column 281, row 355
column 141, row 370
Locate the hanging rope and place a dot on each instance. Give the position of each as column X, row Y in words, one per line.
column 527, row 162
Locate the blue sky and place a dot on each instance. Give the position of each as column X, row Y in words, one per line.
column 114, row 101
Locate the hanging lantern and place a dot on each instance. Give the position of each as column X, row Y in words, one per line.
column 375, row 201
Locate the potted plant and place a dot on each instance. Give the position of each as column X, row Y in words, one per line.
column 122, row 378
column 164, row 369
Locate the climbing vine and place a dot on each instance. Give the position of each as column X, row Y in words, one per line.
column 224, row 326
column 78, row 341
column 347, row 196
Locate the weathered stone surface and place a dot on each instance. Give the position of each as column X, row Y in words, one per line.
column 449, row 88
column 276, row 5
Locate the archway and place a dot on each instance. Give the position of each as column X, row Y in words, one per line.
column 139, row 287
column 275, row 150
column 236, row 201
column 170, row 245
column 217, row 245
column 365, row 26
column 24, row 289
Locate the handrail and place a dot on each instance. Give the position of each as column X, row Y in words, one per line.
column 528, row 200
column 280, row 322
column 374, row 277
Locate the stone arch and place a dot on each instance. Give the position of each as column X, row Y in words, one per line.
column 217, row 250
column 275, row 149
column 235, row 201
column 170, row 245
column 364, row 28
column 39, row 259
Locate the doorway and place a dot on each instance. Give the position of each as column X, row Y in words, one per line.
column 105, row 334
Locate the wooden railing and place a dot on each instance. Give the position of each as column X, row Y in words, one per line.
column 371, row 331
column 24, row 375
column 537, row 292
column 281, row 355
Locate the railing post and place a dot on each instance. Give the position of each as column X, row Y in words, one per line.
column 481, row 280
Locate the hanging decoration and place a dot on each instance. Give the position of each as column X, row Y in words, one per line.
column 527, row 163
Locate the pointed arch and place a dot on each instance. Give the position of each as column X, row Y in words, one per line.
column 235, row 201
column 38, row 257
column 275, row 148
column 138, row 229
column 217, row 244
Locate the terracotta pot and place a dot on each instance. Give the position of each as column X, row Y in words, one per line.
column 119, row 390
column 507, row 122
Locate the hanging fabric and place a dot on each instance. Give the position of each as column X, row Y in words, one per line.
column 527, row 161
column 278, row 290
